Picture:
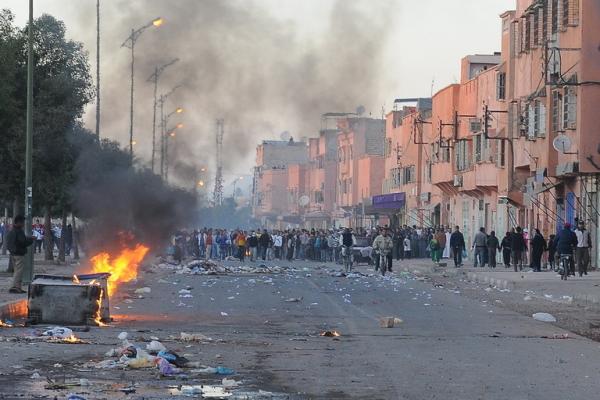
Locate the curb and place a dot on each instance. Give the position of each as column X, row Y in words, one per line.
column 13, row 310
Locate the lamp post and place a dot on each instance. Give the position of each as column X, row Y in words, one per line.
column 130, row 44
column 98, row 69
column 171, row 134
column 154, row 78
column 163, row 125
column 28, row 270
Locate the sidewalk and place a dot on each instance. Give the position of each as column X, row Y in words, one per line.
column 546, row 285
column 15, row 304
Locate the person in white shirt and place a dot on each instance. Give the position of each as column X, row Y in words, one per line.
column 582, row 252
column 277, row 245
column 407, row 248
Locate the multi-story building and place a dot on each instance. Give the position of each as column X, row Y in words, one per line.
column 360, row 167
column 271, row 191
column 514, row 143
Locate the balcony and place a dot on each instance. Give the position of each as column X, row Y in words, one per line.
column 481, row 179
column 442, row 176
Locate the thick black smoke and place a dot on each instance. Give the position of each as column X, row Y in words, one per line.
column 241, row 63
column 116, row 200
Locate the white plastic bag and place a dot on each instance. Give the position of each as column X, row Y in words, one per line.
column 544, row 317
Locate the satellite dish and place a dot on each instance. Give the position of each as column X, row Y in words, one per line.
column 360, row 110
column 562, row 143
column 303, row 201
column 285, row 136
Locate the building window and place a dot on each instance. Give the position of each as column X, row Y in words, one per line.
column 501, row 86
column 570, row 108
column 540, row 117
column 502, row 153
column 527, row 38
column 462, row 155
column 477, row 148
column 544, row 23
column 570, row 15
column 554, row 16
column 557, row 101
column 536, row 28
column 429, row 171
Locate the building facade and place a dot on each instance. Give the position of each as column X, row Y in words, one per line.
column 513, row 143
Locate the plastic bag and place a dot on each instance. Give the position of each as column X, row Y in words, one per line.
column 544, row 317
column 155, row 346
column 166, row 368
column 59, row 332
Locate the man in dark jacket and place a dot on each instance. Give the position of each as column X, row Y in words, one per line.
column 517, row 247
column 265, row 242
column 457, row 244
column 566, row 241
column 17, row 243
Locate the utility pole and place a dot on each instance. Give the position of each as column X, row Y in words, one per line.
column 28, row 270
column 130, row 43
column 154, row 78
column 218, row 192
column 98, row 69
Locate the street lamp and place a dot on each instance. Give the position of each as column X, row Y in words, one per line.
column 171, row 133
column 130, row 44
column 163, row 125
column 154, row 78
column 28, row 270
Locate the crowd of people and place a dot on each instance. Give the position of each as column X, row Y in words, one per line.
column 314, row 245
column 519, row 248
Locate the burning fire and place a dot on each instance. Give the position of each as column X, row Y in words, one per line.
column 122, row 268
column 5, row 325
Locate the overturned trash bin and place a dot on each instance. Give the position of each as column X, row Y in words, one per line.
column 69, row 300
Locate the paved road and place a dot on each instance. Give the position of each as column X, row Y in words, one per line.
column 448, row 347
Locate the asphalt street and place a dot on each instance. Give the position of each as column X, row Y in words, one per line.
column 447, row 347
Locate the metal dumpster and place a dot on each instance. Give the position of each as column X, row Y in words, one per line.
column 68, row 300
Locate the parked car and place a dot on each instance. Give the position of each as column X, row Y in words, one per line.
column 362, row 250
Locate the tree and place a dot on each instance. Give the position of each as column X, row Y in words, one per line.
column 12, row 115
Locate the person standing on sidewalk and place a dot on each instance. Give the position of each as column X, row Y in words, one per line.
column 551, row 251
column 493, row 245
column 457, row 244
column 17, row 243
column 582, row 252
column 480, row 248
column 538, row 247
column 517, row 247
column 440, row 237
column 506, row 250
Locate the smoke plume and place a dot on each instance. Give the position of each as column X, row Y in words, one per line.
column 238, row 62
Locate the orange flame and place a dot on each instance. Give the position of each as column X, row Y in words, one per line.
column 98, row 316
column 123, row 268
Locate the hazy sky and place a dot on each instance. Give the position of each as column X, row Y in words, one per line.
column 269, row 66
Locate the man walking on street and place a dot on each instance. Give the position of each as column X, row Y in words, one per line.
column 17, row 244
column 457, row 244
column 383, row 246
column 493, row 245
column 480, row 248
column 517, row 248
column 582, row 252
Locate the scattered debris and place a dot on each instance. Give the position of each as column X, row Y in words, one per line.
column 331, row 333
column 194, row 337
column 143, row 290
column 544, row 317
column 389, row 322
column 293, row 300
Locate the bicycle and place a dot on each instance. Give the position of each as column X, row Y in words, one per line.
column 348, row 258
column 383, row 265
column 564, row 266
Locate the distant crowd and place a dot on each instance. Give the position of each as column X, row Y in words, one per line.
column 517, row 249
column 303, row 244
